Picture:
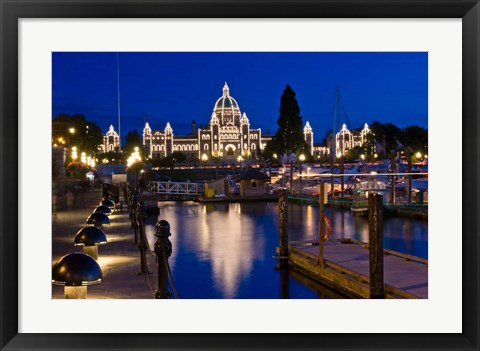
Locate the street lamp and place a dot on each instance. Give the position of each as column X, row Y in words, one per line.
column 301, row 158
column 74, row 153
column 72, row 130
column 418, row 155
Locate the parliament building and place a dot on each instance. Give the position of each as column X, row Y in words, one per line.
column 228, row 136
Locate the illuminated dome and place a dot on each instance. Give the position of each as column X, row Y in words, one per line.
column 226, row 103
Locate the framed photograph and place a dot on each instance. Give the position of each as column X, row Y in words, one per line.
column 388, row 93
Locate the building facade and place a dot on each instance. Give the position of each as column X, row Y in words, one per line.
column 345, row 140
column 111, row 141
column 228, row 136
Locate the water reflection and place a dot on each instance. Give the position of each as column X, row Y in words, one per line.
column 225, row 250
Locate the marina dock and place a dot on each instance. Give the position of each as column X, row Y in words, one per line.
column 352, row 267
column 347, row 269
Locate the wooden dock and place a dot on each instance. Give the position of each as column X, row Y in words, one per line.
column 347, row 269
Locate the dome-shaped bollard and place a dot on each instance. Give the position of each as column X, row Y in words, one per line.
column 98, row 219
column 90, row 238
column 103, row 209
column 76, row 271
column 109, row 203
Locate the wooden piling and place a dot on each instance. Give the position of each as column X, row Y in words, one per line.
column 342, row 171
column 409, row 171
column 375, row 224
column 332, row 183
column 321, row 225
column 283, row 221
column 392, row 180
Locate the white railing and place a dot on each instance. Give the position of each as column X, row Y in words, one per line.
column 177, row 188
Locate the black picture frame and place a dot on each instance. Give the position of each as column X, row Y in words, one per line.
column 11, row 11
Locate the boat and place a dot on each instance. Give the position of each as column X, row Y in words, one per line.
column 360, row 195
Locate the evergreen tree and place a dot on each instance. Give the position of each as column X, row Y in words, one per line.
column 289, row 136
column 132, row 140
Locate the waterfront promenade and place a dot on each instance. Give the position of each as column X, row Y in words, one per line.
column 119, row 258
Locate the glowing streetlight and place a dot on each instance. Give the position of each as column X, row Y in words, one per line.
column 74, row 153
column 72, row 130
column 362, row 156
column 375, row 155
column 301, row 158
column 83, row 157
column 204, row 157
column 418, row 155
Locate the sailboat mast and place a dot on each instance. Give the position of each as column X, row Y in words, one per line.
column 335, row 113
column 118, row 100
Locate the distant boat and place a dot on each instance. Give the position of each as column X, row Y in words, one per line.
column 360, row 195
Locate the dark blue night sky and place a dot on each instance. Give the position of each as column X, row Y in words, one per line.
column 180, row 87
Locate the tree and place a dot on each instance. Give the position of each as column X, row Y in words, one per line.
column 415, row 138
column 110, row 157
column 178, row 156
column 387, row 132
column 289, row 136
column 170, row 160
column 76, row 131
column 133, row 140
column 354, row 154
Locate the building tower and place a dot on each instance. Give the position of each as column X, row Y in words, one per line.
column 111, row 141
column 194, row 128
column 147, row 140
column 245, row 134
column 168, row 139
column 308, row 135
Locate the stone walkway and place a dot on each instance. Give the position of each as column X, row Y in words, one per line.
column 119, row 258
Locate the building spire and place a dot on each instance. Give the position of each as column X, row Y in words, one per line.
column 226, row 90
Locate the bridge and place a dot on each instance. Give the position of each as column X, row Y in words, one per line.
column 180, row 188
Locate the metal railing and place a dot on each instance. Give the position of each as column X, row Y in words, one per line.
column 409, row 189
column 161, row 251
column 182, row 188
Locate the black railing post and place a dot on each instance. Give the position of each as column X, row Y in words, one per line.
column 142, row 242
column 163, row 250
column 133, row 216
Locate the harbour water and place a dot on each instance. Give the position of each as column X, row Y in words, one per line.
column 225, row 250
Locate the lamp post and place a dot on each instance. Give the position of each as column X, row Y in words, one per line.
column 302, row 159
column 204, row 160
column 74, row 153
